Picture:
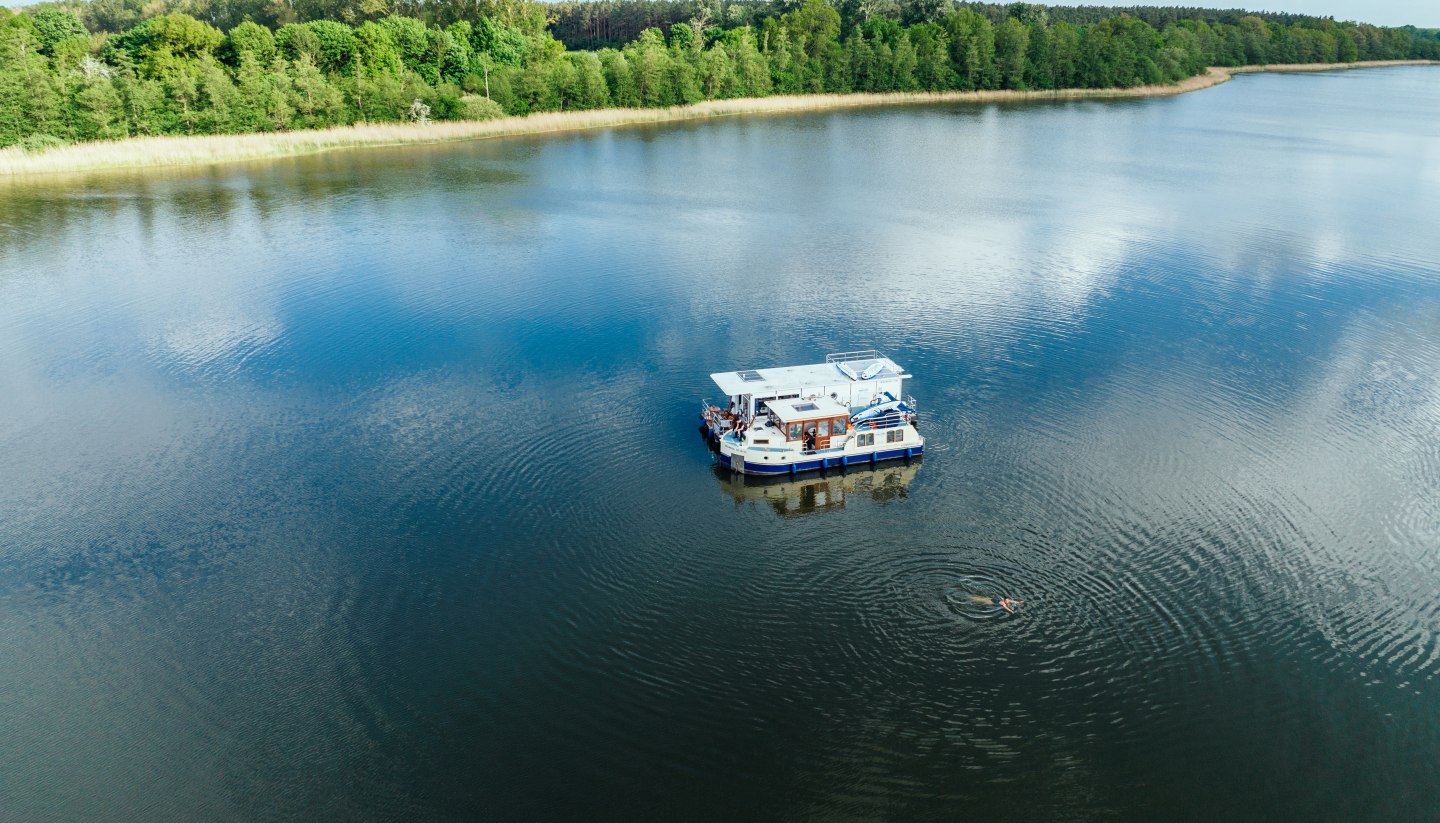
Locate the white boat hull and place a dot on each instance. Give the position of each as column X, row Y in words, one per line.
column 775, row 461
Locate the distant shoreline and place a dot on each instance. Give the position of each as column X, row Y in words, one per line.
column 171, row 151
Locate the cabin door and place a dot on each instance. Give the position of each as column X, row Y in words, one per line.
column 822, row 434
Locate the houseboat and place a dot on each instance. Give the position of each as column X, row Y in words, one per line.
column 850, row 409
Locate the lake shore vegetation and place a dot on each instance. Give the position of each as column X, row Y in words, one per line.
column 114, row 70
column 149, row 152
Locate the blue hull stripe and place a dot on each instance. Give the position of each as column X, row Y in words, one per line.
column 815, row 465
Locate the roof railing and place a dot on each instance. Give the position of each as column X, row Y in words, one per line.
column 852, row 356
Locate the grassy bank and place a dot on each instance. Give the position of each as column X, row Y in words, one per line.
column 141, row 152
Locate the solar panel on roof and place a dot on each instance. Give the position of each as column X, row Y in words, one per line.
column 749, row 376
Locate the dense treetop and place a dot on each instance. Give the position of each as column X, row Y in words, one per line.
column 112, row 68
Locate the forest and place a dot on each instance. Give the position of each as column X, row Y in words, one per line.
column 107, row 69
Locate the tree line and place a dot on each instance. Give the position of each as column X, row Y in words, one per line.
column 594, row 24
column 106, row 69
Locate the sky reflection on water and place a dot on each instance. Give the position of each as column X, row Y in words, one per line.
column 367, row 485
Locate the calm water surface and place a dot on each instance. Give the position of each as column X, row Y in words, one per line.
column 367, row 486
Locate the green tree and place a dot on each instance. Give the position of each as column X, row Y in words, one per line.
column 67, row 55
column 377, row 52
column 1181, row 55
column 265, row 94
column 1012, row 39
column 1255, row 39
column 1039, row 68
column 619, row 78
column 1065, row 55
column 863, row 73
column 650, row 63
column 1346, row 51
column 684, row 38
column 591, row 90
column 145, row 105
column 411, row 42
column 505, row 44
column 717, row 78
column 457, row 61
column 337, row 46
column 972, row 49
column 905, row 63
column 752, row 72
column 915, row 12
column 537, row 87
column 815, row 26
column 97, row 110
column 216, row 100
column 30, row 99
column 252, row 40
column 475, row 107
column 932, row 57
column 183, row 104
column 54, row 24
column 295, row 40
column 180, row 36
column 684, row 82
column 315, row 100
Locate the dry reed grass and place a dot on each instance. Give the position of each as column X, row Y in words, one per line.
column 1286, row 67
column 142, row 152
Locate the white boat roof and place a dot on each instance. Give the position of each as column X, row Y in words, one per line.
column 785, row 379
column 801, row 409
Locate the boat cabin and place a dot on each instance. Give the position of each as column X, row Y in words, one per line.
column 820, row 418
column 855, row 379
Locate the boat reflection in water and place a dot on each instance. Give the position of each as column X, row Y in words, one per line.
column 811, row 494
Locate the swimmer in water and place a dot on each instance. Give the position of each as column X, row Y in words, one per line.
column 1006, row 603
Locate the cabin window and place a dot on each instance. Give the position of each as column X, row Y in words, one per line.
column 824, row 429
column 838, row 426
column 761, row 442
column 810, row 426
column 894, row 436
column 865, row 439
column 794, row 433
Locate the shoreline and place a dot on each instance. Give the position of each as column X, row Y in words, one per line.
column 175, row 151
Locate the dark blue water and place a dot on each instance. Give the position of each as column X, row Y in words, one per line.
column 368, row 486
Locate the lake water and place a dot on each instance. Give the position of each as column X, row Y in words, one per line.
column 368, row 485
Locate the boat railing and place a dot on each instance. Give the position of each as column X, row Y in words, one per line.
column 717, row 420
column 893, row 420
column 852, row 356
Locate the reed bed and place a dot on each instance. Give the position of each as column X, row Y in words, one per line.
column 143, row 152
column 1367, row 64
